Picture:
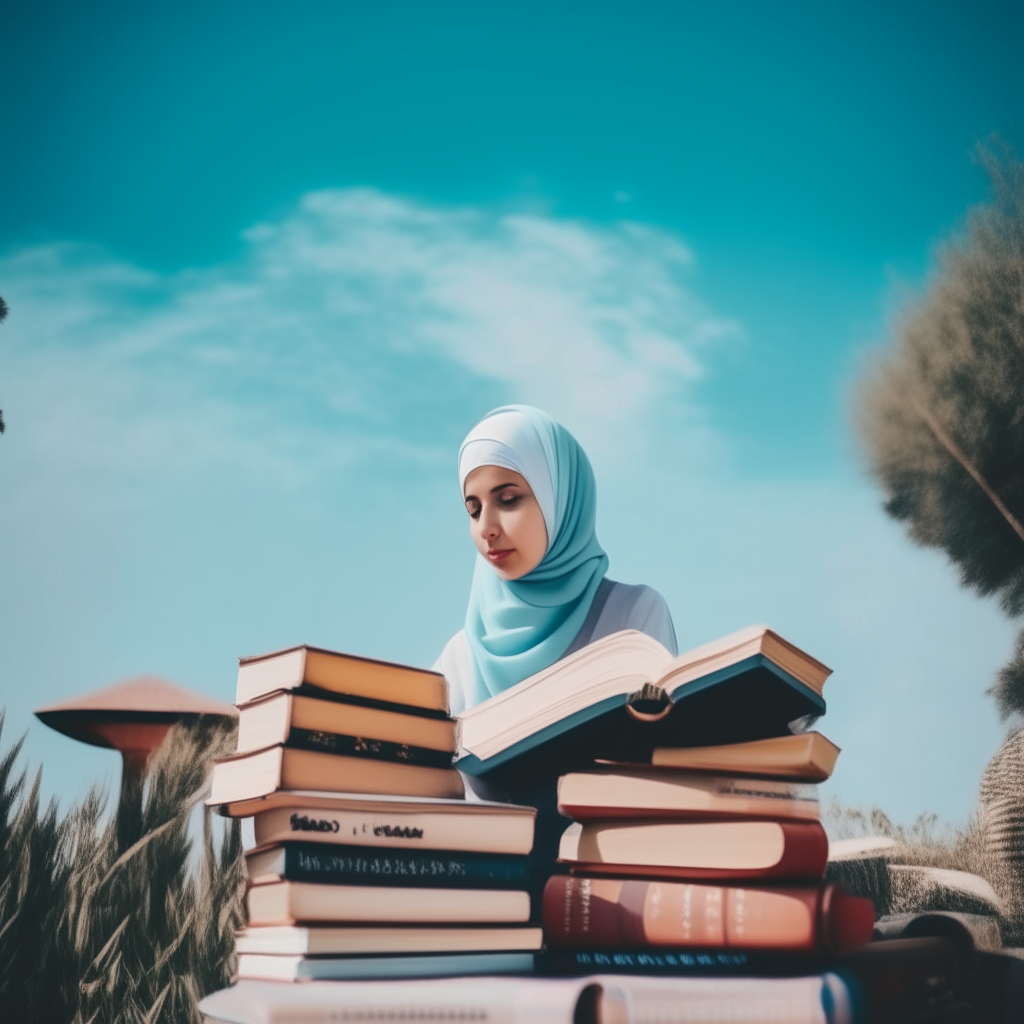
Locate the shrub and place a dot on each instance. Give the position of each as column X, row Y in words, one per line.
column 115, row 919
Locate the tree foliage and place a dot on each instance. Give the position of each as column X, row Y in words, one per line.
column 941, row 414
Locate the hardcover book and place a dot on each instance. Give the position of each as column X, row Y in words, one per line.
column 274, row 718
column 295, row 902
column 636, row 914
column 391, row 822
column 332, row 968
column 806, row 756
column 734, row 850
column 248, row 776
column 376, row 681
column 359, row 865
column 624, row 695
column 611, row 999
column 363, row 746
column 627, row 792
column 327, row 940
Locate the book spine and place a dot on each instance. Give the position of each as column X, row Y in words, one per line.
column 603, row 913
column 725, row 809
column 665, row 961
column 320, row 693
column 804, row 858
column 435, row 870
column 359, row 746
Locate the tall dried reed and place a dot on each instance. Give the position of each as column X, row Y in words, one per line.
column 108, row 918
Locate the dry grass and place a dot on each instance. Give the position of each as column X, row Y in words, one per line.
column 927, row 842
column 108, row 918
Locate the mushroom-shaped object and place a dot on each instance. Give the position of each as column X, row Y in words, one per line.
column 132, row 717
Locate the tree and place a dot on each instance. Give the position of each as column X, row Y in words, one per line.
column 941, row 414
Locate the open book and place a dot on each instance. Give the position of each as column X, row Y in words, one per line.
column 624, row 695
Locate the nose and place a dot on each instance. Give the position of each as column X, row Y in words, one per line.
column 489, row 524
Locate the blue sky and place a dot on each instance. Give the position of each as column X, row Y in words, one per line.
column 267, row 264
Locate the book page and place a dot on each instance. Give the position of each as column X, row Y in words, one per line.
column 620, row 663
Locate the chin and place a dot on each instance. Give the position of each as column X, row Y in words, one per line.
column 507, row 572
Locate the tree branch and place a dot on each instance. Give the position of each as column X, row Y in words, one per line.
column 954, row 449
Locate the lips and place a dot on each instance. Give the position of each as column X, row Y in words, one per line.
column 499, row 555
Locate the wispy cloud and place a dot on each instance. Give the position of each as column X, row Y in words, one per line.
column 345, row 322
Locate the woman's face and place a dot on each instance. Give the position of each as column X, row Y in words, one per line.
column 505, row 521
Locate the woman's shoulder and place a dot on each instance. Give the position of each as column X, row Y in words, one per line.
column 636, row 597
column 637, row 606
column 451, row 649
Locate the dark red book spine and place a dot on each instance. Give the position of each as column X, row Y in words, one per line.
column 606, row 913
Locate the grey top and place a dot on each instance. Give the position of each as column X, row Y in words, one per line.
column 616, row 606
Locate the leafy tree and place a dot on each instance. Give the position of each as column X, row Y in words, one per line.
column 941, row 414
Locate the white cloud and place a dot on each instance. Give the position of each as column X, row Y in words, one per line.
column 349, row 314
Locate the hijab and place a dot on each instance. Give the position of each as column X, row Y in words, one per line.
column 518, row 627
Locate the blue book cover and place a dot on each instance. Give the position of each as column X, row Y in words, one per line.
column 351, row 968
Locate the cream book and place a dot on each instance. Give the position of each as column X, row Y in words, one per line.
column 809, row 757
column 247, row 776
column 292, row 902
column 623, row 695
column 392, row 823
column 620, row 791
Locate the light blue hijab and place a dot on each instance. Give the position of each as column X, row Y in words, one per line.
column 518, row 627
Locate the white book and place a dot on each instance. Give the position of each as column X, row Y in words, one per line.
column 611, row 999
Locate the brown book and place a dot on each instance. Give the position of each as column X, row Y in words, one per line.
column 806, row 756
column 379, row 681
column 246, row 776
column 272, row 719
column 470, row 826
column 364, row 940
column 627, row 792
column 734, row 850
column 605, row 913
column 281, row 903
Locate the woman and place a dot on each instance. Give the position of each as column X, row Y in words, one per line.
column 539, row 586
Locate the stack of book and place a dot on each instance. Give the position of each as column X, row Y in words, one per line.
column 710, row 849
column 696, row 849
column 702, row 851
column 367, row 861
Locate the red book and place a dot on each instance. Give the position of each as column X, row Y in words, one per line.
column 729, row 850
column 606, row 913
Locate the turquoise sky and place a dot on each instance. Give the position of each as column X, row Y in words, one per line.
column 267, row 263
